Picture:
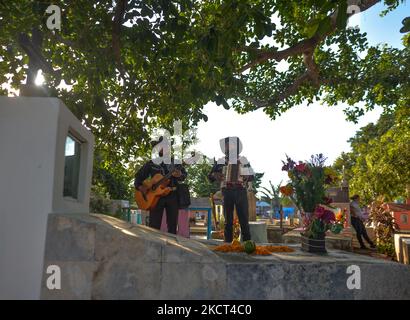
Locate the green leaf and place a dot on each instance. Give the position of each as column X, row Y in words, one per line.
column 225, row 105
column 311, row 28
column 341, row 19
column 145, row 11
column 324, row 26
column 406, row 25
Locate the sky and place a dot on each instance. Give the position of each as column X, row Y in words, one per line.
column 303, row 130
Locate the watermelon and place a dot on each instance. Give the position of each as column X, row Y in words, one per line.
column 249, row 246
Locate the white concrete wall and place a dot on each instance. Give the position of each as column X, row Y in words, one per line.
column 32, row 145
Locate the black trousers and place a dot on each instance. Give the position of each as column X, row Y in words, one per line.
column 236, row 198
column 360, row 229
column 170, row 204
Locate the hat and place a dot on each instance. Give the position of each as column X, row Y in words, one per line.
column 224, row 143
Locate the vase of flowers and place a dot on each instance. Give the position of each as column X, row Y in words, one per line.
column 307, row 189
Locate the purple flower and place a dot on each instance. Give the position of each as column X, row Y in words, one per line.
column 289, row 164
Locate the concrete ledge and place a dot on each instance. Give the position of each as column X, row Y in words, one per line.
column 104, row 258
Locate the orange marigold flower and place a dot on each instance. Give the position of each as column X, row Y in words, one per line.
column 339, row 216
column 279, row 249
column 286, row 190
column 260, row 250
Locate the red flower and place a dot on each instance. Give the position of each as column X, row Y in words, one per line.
column 301, row 167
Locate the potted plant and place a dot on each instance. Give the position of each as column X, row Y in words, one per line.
column 307, row 189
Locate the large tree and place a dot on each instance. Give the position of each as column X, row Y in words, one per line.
column 238, row 47
column 106, row 52
column 378, row 164
column 132, row 66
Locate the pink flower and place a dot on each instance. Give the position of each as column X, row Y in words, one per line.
column 324, row 214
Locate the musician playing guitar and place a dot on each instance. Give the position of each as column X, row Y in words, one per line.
column 169, row 202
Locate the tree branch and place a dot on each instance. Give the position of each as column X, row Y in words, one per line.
column 116, row 29
column 264, row 55
column 289, row 91
column 305, row 47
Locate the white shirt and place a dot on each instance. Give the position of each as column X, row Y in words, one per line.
column 356, row 210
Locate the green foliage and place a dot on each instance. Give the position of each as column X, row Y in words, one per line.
column 134, row 68
column 317, row 228
column 378, row 163
column 197, row 179
column 257, row 180
column 116, row 73
column 307, row 182
column 386, row 248
column 272, row 195
column 199, row 184
column 406, row 25
column 322, row 220
column 100, row 202
column 130, row 70
column 385, row 226
column 112, row 178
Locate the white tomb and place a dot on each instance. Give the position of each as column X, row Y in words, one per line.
column 46, row 158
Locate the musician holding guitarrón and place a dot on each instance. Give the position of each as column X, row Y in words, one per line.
column 173, row 174
column 234, row 173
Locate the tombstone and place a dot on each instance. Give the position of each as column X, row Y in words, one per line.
column 46, row 167
column 259, row 231
column 405, row 248
column 398, row 247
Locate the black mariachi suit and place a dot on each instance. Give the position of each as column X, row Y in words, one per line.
column 168, row 202
column 234, row 196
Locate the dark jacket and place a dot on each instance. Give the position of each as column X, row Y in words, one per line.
column 149, row 169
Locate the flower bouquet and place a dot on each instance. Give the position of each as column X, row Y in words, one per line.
column 307, row 189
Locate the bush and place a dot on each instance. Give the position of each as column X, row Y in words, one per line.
column 385, row 227
column 99, row 203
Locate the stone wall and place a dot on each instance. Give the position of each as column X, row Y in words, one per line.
column 104, row 258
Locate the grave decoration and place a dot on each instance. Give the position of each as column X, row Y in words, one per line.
column 263, row 250
column 307, row 186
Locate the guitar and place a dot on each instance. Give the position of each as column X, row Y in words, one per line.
column 157, row 187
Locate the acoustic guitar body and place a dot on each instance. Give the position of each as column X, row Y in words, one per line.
column 156, row 190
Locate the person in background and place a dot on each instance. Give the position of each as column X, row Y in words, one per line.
column 357, row 218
